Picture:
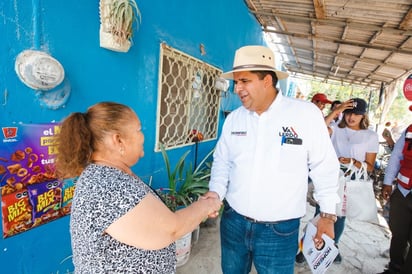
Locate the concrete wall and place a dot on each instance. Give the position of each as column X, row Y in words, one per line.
column 69, row 31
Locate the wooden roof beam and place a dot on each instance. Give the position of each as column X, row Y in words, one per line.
column 406, row 20
column 348, row 56
column 340, row 41
column 320, row 9
column 335, row 22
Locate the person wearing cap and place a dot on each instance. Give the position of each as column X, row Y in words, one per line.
column 355, row 144
column 336, row 116
column 267, row 149
column 400, row 197
column 336, row 113
column 320, row 100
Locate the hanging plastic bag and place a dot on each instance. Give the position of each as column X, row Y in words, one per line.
column 341, row 206
column 360, row 197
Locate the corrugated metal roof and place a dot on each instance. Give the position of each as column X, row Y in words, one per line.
column 361, row 42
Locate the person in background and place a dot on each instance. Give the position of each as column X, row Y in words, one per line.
column 397, row 129
column 336, row 109
column 354, row 143
column 336, row 113
column 334, row 116
column 320, row 100
column 267, row 149
column 398, row 172
column 387, row 136
column 388, row 146
column 118, row 224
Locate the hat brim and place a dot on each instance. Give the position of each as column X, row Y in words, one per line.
column 325, row 101
column 354, row 112
column 280, row 74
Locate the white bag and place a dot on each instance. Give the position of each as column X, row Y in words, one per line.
column 341, row 206
column 359, row 195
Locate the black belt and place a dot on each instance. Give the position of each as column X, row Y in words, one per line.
column 256, row 221
column 251, row 220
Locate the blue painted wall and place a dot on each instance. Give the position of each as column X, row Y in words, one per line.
column 69, row 31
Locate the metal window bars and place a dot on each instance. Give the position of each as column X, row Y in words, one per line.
column 188, row 102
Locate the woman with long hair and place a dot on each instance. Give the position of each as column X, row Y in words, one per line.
column 118, row 224
column 354, row 143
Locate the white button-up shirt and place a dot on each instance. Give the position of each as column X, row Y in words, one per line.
column 262, row 162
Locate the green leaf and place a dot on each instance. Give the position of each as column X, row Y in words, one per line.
column 185, row 183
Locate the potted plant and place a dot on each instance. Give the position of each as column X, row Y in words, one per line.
column 185, row 185
column 116, row 23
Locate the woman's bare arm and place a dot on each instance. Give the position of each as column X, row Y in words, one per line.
column 151, row 225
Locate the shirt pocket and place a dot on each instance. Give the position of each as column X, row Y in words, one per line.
column 292, row 158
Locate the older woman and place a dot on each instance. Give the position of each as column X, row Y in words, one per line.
column 118, row 224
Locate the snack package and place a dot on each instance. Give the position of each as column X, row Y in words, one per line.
column 27, row 155
column 68, row 193
column 46, row 198
column 16, row 212
column 319, row 260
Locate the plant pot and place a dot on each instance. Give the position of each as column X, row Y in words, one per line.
column 183, row 246
column 195, row 235
column 110, row 41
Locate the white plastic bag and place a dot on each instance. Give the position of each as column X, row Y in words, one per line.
column 359, row 195
column 341, row 206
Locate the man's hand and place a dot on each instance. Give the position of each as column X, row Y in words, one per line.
column 386, row 191
column 324, row 226
column 212, row 195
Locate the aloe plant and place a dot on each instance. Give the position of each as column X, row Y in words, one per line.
column 122, row 15
column 185, row 184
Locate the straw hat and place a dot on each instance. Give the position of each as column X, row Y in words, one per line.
column 252, row 58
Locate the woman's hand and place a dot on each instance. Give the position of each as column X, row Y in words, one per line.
column 213, row 195
column 338, row 110
column 214, row 203
column 346, row 105
column 344, row 160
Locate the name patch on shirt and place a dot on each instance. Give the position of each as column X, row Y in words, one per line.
column 239, row 133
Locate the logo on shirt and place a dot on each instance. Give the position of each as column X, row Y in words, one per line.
column 290, row 136
column 239, row 133
column 288, row 132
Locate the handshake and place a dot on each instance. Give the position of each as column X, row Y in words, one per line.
column 212, row 201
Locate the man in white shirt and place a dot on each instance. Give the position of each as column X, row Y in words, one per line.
column 267, row 149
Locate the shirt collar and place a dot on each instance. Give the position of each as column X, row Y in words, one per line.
column 279, row 98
